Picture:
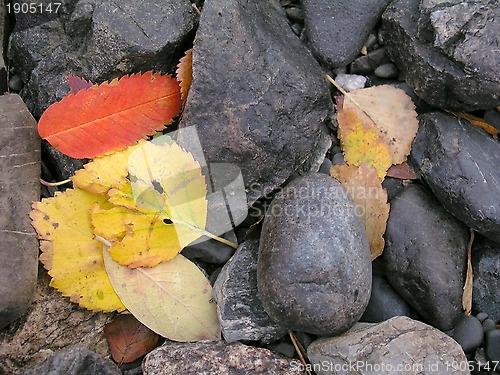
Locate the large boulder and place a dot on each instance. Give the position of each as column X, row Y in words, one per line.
column 258, row 98
column 97, row 40
column 447, row 50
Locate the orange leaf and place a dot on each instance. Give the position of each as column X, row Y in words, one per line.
column 479, row 122
column 129, row 339
column 110, row 116
column 185, row 73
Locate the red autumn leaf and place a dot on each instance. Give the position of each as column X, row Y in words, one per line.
column 111, row 116
column 129, row 339
column 76, row 84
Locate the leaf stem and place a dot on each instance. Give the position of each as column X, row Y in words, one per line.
column 337, row 86
column 208, row 234
column 103, row 240
column 54, row 184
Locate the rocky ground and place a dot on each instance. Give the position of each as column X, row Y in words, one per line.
column 259, row 100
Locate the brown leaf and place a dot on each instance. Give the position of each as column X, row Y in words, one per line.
column 370, row 198
column 129, row 339
column 184, row 73
column 467, row 294
column 393, row 114
column 402, row 171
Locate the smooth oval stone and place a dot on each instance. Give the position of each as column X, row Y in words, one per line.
column 314, row 264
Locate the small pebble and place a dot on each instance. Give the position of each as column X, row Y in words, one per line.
column 338, row 159
column 350, row 82
column 492, row 345
column 325, row 166
column 388, row 70
column 482, row 316
column 385, row 302
column 336, row 150
column 295, row 14
column 488, row 325
column 367, row 64
column 304, row 338
column 297, row 28
column 468, row 332
column 16, row 83
column 371, row 41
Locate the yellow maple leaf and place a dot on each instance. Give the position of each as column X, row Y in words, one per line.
column 362, row 143
column 163, row 209
column 70, row 252
column 370, row 198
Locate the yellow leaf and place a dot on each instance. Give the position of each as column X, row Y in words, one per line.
column 362, row 143
column 104, row 173
column 139, row 239
column 70, row 252
column 392, row 113
column 370, row 199
column 173, row 299
column 162, row 210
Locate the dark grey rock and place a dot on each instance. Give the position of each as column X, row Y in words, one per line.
column 492, row 345
column 338, row 159
column 426, row 256
column 97, row 40
column 448, row 51
column 388, row 70
column 385, row 302
column 215, row 357
column 61, row 166
column 4, row 29
column 394, row 186
column 486, row 269
column 19, row 187
column 482, row 316
column 239, row 308
column 74, row 361
column 211, row 251
column 460, row 163
column 314, row 267
column 492, row 116
column 386, row 348
column 16, row 83
column 468, row 332
column 338, row 29
column 266, row 114
column 488, row 325
column 367, row 64
column 325, row 166
column 285, row 348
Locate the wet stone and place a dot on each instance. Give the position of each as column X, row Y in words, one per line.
column 338, row 29
column 399, row 341
column 428, row 271
column 215, row 357
column 486, row 269
column 314, row 255
column 252, row 115
column 460, row 163
column 239, row 308
column 468, row 332
column 19, row 187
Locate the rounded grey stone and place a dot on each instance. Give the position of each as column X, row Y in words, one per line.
column 314, row 264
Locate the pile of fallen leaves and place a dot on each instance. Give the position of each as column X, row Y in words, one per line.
column 112, row 242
